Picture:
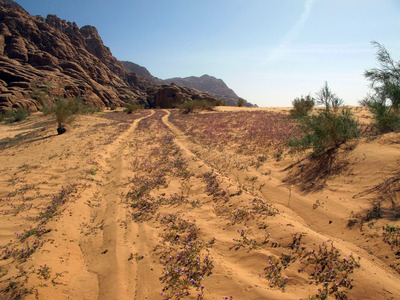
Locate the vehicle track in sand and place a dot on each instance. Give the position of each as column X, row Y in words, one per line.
column 107, row 251
column 110, row 239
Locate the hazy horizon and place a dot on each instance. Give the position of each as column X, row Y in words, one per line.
column 268, row 52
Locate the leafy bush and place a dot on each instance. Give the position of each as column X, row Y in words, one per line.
column 12, row 116
column 131, row 106
column 328, row 128
column 302, row 106
column 327, row 98
column 65, row 110
column 189, row 106
column 240, row 102
column 386, row 118
column 384, row 103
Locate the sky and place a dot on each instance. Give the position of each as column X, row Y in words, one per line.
column 268, row 51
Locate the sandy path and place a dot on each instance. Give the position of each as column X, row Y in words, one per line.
column 107, row 253
column 109, row 239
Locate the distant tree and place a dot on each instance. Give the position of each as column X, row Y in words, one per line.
column 240, row 102
column 302, row 106
column 326, row 130
column 384, row 102
column 327, row 98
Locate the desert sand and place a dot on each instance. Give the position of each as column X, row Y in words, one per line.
column 204, row 206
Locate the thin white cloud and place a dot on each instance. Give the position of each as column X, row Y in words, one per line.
column 281, row 50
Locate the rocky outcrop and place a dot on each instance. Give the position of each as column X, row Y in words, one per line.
column 209, row 84
column 166, row 96
column 141, row 71
column 205, row 84
column 65, row 59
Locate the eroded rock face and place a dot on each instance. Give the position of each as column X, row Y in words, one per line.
column 166, row 96
column 68, row 61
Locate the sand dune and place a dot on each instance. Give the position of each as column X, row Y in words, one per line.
column 159, row 205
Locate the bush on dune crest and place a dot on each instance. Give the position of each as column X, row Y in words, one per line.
column 327, row 129
column 384, row 102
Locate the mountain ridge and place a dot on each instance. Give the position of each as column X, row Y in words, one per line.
column 205, row 83
column 67, row 61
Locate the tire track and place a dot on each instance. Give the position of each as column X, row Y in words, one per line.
column 107, row 250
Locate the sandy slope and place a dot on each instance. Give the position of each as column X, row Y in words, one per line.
column 96, row 201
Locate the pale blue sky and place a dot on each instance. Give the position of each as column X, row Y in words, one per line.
column 267, row 51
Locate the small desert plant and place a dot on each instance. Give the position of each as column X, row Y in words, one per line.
column 240, row 102
column 327, row 98
column 63, row 113
column 131, row 106
column 189, row 106
column 2, row 116
column 384, row 103
column 17, row 115
column 386, row 118
column 246, row 242
column 65, row 110
column 328, row 129
column 302, row 106
column 219, row 102
column 391, row 235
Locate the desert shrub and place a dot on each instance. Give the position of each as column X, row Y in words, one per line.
column 302, row 106
column 240, row 102
column 131, row 106
column 219, row 102
column 189, row 106
column 384, row 103
column 65, row 110
column 327, row 98
column 329, row 128
column 386, row 118
column 16, row 115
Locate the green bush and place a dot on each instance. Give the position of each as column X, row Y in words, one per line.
column 384, row 103
column 386, row 118
column 64, row 110
column 327, row 129
column 189, row 106
column 219, row 102
column 302, row 106
column 17, row 115
column 240, row 102
column 131, row 106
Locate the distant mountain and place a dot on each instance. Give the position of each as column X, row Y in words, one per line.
column 141, row 71
column 206, row 83
column 62, row 60
column 209, row 84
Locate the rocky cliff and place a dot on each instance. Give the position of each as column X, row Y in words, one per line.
column 141, row 71
column 206, row 84
column 67, row 61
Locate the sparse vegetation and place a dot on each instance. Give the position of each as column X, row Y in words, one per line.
column 190, row 106
column 240, row 102
column 66, row 109
column 132, row 106
column 329, row 128
column 384, row 102
column 302, row 106
column 14, row 115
